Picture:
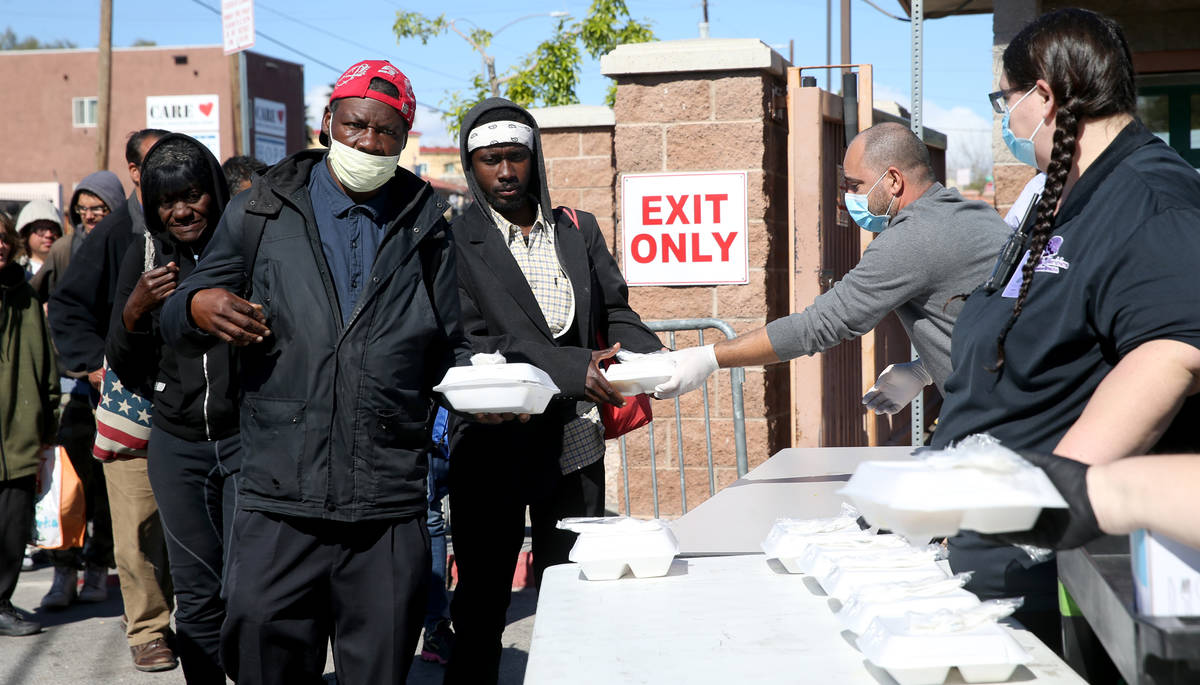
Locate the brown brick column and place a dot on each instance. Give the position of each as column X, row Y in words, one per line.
column 577, row 144
column 707, row 105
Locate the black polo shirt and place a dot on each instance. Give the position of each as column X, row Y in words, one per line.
column 1122, row 268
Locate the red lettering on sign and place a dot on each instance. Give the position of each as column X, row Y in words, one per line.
column 678, row 249
column 651, row 247
column 648, row 209
column 716, row 199
column 696, row 254
column 724, row 244
column 677, row 209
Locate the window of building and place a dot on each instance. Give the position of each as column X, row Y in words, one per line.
column 422, row 169
column 1169, row 105
column 83, row 111
column 449, row 169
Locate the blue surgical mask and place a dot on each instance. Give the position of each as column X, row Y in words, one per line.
column 856, row 205
column 1022, row 148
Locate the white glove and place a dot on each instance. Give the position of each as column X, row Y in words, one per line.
column 896, row 387
column 692, row 367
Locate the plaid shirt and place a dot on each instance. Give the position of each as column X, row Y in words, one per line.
column 583, row 436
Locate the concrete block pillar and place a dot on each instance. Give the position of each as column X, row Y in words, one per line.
column 577, row 144
column 709, row 105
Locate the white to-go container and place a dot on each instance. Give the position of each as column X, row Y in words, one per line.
column 986, row 653
column 856, row 614
column 607, row 547
column 639, row 376
column 919, row 499
column 788, row 538
column 498, row 388
column 821, row 556
column 843, row 581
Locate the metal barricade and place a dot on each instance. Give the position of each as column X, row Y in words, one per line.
column 736, row 375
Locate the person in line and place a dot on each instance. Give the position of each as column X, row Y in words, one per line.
column 29, row 391
column 39, row 226
column 437, row 639
column 239, row 172
column 538, row 287
column 1092, row 349
column 933, row 246
column 93, row 200
column 352, row 317
column 194, row 449
column 79, row 312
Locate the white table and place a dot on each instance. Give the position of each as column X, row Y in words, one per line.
column 724, row 620
column 795, row 483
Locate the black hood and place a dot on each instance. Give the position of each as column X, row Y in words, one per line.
column 537, row 184
column 151, row 193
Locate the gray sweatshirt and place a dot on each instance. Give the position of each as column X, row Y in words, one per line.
column 934, row 249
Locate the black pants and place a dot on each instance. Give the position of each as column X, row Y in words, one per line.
column 292, row 584
column 16, row 520
column 488, row 519
column 1002, row 571
column 77, row 433
column 193, row 483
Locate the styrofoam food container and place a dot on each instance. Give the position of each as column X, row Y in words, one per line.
column 788, row 538
column 605, row 552
column 639, row 376
column 498, row 388
column 856, row 615
column 987, row 653
column 920, row 500
column 821, row 556
column 841, row 583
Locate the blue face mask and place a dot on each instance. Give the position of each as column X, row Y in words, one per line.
column 1022, row 148
column 856, row 205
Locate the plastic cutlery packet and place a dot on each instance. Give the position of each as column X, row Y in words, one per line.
column 820, row 557
column 977, row 484
column 789, row 538
column 609, row 546
column 894, row 600
column 852, row 573
column 921, row 648
column 497, row 388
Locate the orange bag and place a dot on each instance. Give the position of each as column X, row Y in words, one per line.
column 59, row 511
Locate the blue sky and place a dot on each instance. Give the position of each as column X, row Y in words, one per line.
column 957, row 49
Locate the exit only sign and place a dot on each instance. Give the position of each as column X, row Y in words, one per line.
column 685, row 228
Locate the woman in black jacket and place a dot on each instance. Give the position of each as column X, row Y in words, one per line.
column 194, row 451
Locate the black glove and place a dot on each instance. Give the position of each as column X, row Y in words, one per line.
column 1059, row 528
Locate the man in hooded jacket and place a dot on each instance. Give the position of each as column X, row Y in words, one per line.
column 539, row 287
column 351, row 317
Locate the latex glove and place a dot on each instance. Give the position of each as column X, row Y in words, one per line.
column 692, row 367
column 1059, row 528
column 896, row 387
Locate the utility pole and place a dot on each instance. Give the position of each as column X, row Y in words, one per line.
column 104, row 94
column 828, row 41
column 704, row 22
column 845, row 34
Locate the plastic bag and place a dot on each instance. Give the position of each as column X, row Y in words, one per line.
column 966, row 619
column 59, row 509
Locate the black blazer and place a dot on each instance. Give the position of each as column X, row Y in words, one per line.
column 500, row 313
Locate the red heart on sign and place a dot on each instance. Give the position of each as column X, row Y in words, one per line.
column 206, row 108
column 280, row 115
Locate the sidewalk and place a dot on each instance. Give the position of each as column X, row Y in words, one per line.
column 85, row 644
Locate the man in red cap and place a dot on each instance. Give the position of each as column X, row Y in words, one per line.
column 335, row 275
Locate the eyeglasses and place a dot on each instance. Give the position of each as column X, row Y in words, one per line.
column 999, row 100
column 99, row 209
column 47, row 230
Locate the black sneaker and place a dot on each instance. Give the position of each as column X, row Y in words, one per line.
column 13, row 624
column 438, row 643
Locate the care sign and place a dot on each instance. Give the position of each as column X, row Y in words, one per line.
column 685, row 229
column 199, row 116
column 270, row 130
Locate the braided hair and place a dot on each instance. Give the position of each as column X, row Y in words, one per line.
column 1084, row 58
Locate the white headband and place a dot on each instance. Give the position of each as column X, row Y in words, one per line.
column 499, row 132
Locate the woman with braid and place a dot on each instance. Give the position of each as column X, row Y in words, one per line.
column 1091, row 350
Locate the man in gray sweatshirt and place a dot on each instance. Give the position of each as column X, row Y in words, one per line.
column 936, row 246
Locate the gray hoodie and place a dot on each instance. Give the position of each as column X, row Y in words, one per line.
column 104, row 185
column 938, row 247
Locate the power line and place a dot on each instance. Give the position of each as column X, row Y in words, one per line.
column 303, row 54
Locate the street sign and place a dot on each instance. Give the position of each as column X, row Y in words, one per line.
column 237, row 25
column 685, row 228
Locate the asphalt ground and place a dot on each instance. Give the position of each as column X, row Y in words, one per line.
column 84, row 644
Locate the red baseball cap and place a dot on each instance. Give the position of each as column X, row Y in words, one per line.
column 356, row 82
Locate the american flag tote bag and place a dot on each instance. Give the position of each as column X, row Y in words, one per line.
column 122, row 416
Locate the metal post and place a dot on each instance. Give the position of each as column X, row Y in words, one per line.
column 845, row 34
column 828, row 43
column 918, row 18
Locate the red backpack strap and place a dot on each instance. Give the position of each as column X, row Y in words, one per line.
column 570, row 215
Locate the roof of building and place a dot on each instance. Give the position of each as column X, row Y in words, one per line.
column 439, row 150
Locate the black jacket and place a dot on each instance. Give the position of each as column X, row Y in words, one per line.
column 501, row 314
column 335, row 418
column 80, row 307
column 195, row 398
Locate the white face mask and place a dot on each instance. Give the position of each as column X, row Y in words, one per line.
column 359, row 171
